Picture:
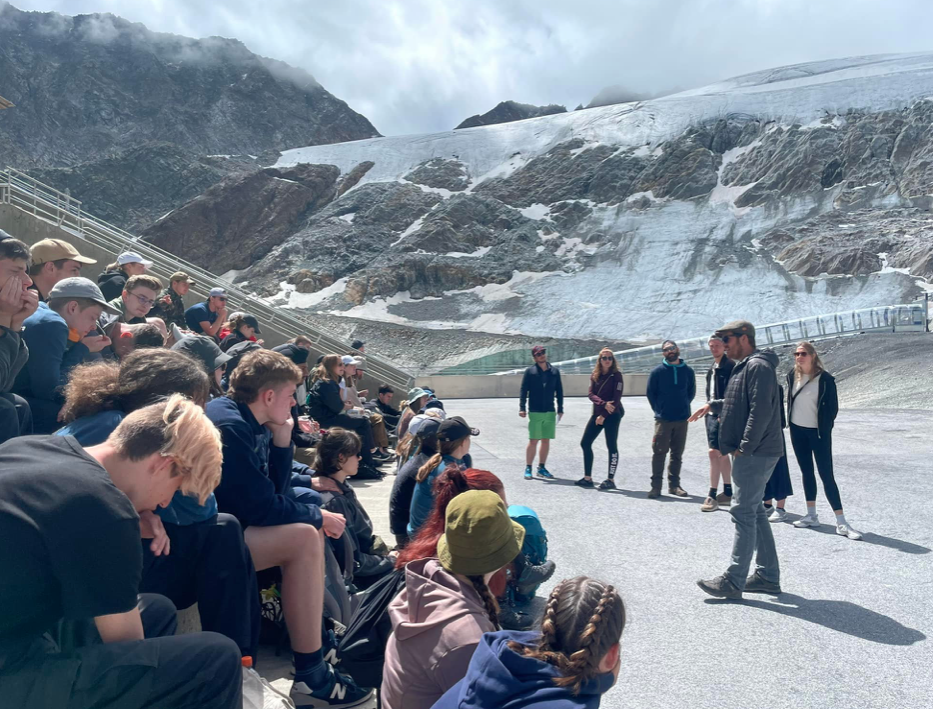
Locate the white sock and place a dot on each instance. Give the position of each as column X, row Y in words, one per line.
column 811, row 512
column 841, row 519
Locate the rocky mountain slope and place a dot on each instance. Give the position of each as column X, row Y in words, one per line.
column 509, row 111
column 90, row 86
column 791, row 192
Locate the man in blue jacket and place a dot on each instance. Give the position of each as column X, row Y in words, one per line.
column 541, row 385
column 279, row 525
column 671, row 387
column 57, row 338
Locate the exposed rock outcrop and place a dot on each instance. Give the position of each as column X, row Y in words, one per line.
column 509, row 111
column 90, row 85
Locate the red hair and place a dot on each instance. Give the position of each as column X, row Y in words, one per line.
column 447, row 486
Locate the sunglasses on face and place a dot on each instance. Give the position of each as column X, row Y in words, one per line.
column 606, row 359
column 221, row 299
column 669, row 349
column 726, row 338
column 541, row 354
column 801, row 354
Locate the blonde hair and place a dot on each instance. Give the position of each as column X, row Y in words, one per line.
column 814, row 357
column 598, row 369
column 176, row 428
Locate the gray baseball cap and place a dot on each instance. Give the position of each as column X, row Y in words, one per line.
column 78, row 287
column 204, row 349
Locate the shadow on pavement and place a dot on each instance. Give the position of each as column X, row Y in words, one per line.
column 872, row 538
column 841, row 616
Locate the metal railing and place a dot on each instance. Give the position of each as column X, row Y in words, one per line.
column 910, row 317
column 45, row 202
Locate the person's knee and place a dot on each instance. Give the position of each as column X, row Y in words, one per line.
column 218, row 652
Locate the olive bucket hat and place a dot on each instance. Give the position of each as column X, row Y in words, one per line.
column 479, row 537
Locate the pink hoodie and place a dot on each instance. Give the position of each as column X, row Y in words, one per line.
column 437, row 622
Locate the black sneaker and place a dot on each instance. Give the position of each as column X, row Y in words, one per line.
column 721, row 587
column 338, row 692
column 583, row 482
column 756, row 584
column 608, row 484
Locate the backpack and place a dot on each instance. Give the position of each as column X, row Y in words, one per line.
column 534, row 547
column 363, row 646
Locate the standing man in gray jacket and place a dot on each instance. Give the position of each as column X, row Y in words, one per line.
column 750, row 429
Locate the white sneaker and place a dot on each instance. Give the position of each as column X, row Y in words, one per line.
column 777, row 515
column 808, row 520
column 847, row 530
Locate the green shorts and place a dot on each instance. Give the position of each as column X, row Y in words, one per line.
column 542, row 425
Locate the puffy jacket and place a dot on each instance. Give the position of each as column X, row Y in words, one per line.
column 671, row 388
column 324, row 402
column 827, row 407
column 112, row 283
column 607, row 389
column 500, row 678
column 540, row 388
column 359, row 529
column 750, row 410
column 437, row 622
column 717, row 377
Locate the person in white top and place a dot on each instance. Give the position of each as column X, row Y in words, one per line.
column 812, row 405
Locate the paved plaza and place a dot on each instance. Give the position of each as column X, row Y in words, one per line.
column 851, row 630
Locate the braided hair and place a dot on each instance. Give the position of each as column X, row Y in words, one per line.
column 492, row 606
column 583, row 619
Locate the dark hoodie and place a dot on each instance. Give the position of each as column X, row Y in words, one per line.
column 750, row 410
column 112, row 283
column 500, row 678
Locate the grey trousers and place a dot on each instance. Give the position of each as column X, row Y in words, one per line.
column 750, row 474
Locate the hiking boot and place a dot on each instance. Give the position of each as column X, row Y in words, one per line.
column 808, row 520
column 338, row 691
column 608, row 484
column 847, row 530
column 583, row 482
column 709, row 505
column 721, row 587
column 778, row 515
column 543, row 473
column 527, row 472
column 654, row 493
column 756, row 584
column 534, row 575
column 724, row 499
column 516, row 617
column 678, row 491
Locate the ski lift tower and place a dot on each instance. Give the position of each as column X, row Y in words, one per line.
column 5, row 104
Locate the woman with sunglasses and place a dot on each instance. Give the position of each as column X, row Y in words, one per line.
column 606, row 395
column 812, row 405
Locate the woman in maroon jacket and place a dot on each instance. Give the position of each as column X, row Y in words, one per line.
column 606, row 395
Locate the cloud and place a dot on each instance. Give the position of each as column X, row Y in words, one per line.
column 414, row 66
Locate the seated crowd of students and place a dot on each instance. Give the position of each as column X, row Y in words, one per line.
column 182, row 461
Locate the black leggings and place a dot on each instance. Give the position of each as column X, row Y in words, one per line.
column 361, row 427
column 591, row 433
column 809, row 445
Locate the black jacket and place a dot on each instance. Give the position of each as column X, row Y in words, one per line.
column 750, row 410
column 324, row 402
column 827, row 406
column 717, row 377
column 540, row 388
column 112, row 283
column 360, row 531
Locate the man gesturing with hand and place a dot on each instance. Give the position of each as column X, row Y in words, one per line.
column 283, row 526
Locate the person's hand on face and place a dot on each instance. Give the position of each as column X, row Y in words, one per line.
column 11, row 296
column 95, row 342
column 29, row 304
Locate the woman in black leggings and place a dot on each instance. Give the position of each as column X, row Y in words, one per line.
column 812, row 405
column 606, row 395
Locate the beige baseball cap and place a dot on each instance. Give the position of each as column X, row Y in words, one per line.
column 55, row 249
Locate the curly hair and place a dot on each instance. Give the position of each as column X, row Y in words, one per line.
column 582, row 620
column 139, row 379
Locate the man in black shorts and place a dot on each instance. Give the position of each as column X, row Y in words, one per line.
column 73, row 632
column 717, row 377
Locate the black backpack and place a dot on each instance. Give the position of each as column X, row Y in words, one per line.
column 363, row 646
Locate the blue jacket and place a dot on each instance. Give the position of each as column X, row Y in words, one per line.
column 50, row 359
column 422, row 501
column 540, row 388
column 94, row 429
column 500, row 678
column 671, row 388
column 256, row 481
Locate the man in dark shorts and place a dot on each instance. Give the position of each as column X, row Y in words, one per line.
column 73, row 632
column 717, row 377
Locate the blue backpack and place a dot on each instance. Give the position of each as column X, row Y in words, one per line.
column 535, row 546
